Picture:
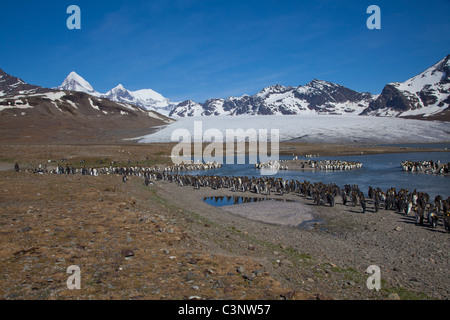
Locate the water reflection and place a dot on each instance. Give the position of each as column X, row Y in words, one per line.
column 220, row 201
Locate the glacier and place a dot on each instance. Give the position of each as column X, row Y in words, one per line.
column 317, row 128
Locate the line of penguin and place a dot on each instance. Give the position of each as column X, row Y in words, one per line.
column 430, row 166
column 273, row 165
column 402, row 201
column 329, row 165
column 128, row 170
column 335, row 165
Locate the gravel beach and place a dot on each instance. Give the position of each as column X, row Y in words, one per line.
column 333, row 256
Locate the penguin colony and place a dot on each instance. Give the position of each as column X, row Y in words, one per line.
column 434, row 167
column 272, row 165
column 402, row 201
column 328, row 165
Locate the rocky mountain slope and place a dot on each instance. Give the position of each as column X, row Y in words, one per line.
column 10, row 85
column 317, row 97
column 426, row 94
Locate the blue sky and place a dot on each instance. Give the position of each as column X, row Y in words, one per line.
column 215, row 49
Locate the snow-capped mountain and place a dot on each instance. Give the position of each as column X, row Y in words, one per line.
column 23, row 100
column 145, row 98
column 188, row 108
column 74, row 82
column 426, row 94
column 317, row 97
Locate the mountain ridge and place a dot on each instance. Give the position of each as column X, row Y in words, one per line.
column 424, row 96
column 318, row 96
column 430, row 100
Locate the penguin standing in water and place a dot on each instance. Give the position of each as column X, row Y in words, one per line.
column 16, row 167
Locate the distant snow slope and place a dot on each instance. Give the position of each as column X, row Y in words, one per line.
column 318, row 128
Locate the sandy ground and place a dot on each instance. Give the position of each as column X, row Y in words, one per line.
column 271, row 211
column 6, row 166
